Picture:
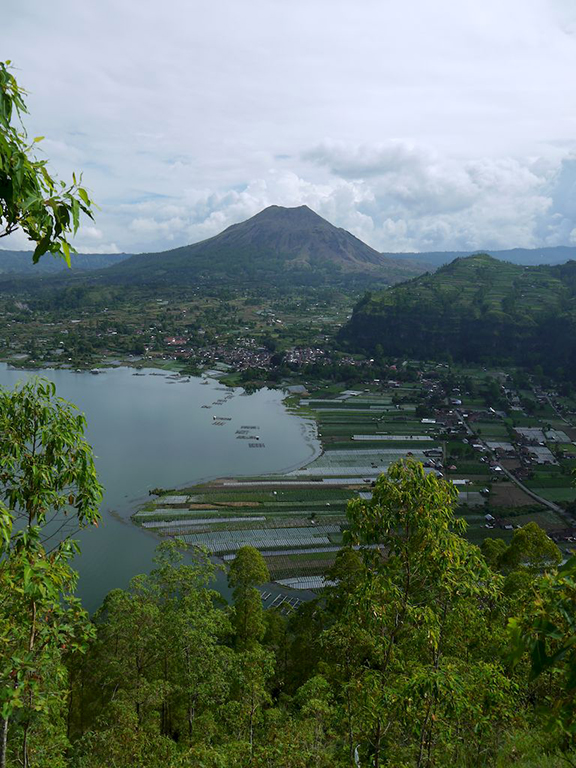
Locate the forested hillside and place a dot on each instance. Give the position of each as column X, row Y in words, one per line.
column 475, row 309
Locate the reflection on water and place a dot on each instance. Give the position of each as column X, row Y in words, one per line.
column 151, row 430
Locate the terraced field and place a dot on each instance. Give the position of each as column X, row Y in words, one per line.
column 297, row 519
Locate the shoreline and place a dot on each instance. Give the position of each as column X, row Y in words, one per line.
column 317, row 451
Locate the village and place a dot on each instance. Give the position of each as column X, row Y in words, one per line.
column 188, row 329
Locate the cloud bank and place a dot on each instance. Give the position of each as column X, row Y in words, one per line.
column 420, row 127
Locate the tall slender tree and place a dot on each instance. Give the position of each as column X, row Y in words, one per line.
column 48, row 489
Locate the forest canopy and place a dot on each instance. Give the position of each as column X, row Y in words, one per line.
column 425, row 651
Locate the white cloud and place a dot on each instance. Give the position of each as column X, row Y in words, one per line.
column 102, row 248
column 367, row 160
column 415, row 126
column 440, row 204
column 17, row 241
column 90, row 233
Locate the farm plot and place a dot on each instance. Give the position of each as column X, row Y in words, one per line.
column 305, row 582
column 382, row 456
column 543, row 480
column 394, row 438
column 509, row 495
column 280, row 538
column 162, row 512
column 331, row 548
column 556, row 494
column 311, row 564
column 546, row 519
column 191, row 523
column 491, row 429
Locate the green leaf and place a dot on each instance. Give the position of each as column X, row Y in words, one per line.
column 42, row 247
column 569, row 566
column 84, row 195
column 66, row 249
column 27, row 189
column 75, row 213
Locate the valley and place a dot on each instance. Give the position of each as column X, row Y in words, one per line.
column 240, row 330
column 444, row 368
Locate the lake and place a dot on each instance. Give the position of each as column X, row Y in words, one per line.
column 148, row 429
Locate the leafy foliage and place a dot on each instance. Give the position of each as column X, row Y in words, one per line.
column 31, row 199
column 248, row 569
column 47, row 481
column 47, row 473
column 546, row 629
column 404, row 661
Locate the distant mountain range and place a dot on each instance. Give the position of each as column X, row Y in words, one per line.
column 291, row 245
column 276, row 247
column 475, row 309
column 20, row 262
column 523, row 256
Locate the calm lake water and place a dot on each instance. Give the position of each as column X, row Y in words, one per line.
column 151, row 431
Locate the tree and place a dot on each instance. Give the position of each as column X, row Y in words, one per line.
column 247, row 570
column 47, row 483
column 410, row 647
column 159, row 667
column 40, row 622
column 545, row 632
column 254, row 664
column 45, row 209
column 493, row 550
column 47, row 476
column 531, row 548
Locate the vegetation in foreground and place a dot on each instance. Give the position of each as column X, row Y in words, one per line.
column 427, row 651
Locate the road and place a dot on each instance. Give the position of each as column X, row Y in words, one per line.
column 550, row 504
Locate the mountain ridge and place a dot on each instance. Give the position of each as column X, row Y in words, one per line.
column 549, row 255
column 474, row 309
column 284, row 233
column 20, row 262
column 295, row 244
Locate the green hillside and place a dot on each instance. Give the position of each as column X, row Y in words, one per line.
column 558, row 254
column 475, row 309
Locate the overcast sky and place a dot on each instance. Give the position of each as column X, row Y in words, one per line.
column 416, row 125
